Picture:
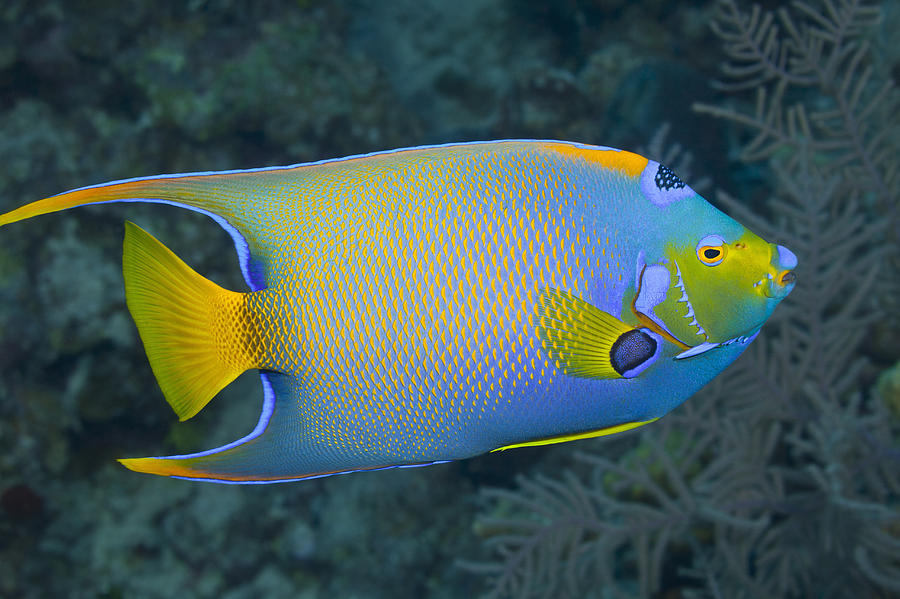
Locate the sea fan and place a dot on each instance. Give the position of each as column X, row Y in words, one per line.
column 782, row 478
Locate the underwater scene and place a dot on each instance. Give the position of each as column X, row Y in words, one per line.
column 779, row 478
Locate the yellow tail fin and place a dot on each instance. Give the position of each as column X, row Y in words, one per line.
column 197, row 335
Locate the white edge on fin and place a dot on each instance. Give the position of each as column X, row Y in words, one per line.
column 705, row 347
column 576, row 144
column 302, row 478
column 240, row 243
column 696, row 350
column 267, row 411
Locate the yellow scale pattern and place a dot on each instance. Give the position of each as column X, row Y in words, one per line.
column 408, row 308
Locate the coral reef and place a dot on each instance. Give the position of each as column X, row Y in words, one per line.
column 95, row 91
column 782, row 479
column 787, row 466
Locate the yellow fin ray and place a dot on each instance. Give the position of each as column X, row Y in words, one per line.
column 585, row 341
column 183, row 190
column 610, row 430
column 196, row 334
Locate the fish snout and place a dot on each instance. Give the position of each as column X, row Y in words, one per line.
column 784, row 258
column 781, row 276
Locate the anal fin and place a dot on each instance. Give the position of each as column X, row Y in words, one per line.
column 279, row 449
column 268, row 454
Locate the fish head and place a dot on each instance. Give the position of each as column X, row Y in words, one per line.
column 703, row 279
column 716, row 289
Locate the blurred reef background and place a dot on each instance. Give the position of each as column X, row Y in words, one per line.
column 781, row 479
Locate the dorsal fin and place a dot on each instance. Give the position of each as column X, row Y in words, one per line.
column 227, row 197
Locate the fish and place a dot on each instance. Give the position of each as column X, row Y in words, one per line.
column 434, row 303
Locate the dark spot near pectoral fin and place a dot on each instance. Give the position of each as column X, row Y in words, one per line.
column 631, row 351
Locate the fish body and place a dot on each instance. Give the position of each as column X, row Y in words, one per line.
column 435, row 303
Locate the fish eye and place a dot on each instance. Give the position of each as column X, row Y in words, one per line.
column 711, row 250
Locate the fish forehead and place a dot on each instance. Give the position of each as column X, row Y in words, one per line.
column 408, row 291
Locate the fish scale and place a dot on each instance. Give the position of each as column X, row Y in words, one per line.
column 425, row 226
column 427, row 304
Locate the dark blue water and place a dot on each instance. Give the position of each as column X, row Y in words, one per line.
column 781, row 479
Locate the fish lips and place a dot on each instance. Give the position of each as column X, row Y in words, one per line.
column 781, row 278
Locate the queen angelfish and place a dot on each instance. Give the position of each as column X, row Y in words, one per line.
column 434, row 303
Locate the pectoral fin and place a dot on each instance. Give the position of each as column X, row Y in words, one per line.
column 585, row 341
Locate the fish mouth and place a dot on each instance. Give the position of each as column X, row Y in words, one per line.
column 779, row 279
column 777, row 285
